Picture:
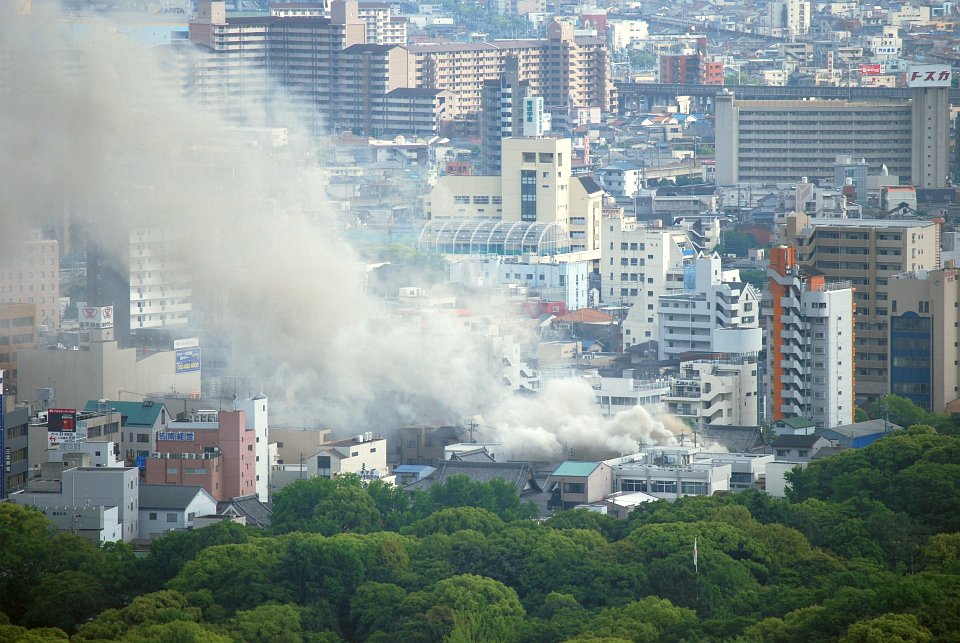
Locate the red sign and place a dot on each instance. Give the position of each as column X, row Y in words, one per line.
column 870, row 70
column 62, row 420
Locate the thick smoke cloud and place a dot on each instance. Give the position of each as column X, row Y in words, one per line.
column 97, row 140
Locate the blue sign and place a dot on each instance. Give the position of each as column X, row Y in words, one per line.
column 175, row 436
column 188, row 360
column 142, row 462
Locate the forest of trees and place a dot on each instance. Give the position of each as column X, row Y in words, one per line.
column 866, row 548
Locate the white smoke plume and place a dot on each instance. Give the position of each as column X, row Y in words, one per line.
column 95, row 139
column 564, row 419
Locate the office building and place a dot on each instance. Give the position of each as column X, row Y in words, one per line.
column 535, row 188
column 868, row 253
column 14, row 436
column 637, row 264
column 924, row 338
column 930, row 89
column 95, row 502
column 212, row 449
column 139, row 424
column 100, row 369
column 810, row 344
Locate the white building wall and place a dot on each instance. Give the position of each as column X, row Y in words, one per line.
column 637, row 264
column 255, row 411
column 202, row 505
column 830, row 313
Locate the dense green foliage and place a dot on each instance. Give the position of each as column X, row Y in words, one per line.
column 867, row 548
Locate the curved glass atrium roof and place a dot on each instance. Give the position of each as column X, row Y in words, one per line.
column 493, row 237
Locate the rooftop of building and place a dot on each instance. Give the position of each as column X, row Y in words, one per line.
column 860, row 429
column 368, row 47
column 250, row 507
column 870, row 223
column 587, row 316
column 576, row 468
column 136, row 413
column 589, row 184
column 168, row 496
column 795, row 441
column 518, row 474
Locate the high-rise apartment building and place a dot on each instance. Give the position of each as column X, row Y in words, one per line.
column 924, row 346
column 383, row 26
column 567, row 71
column 712, row 299
column 782, row 141
column 30, row 274
column 301, row 51
column 868, row 253
column 501, row 114
column 810, row 344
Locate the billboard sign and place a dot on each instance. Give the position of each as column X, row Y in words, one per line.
column 96, row 316
column 188, row 360
column 929, row 76
column 871, row 69
column 189, row 342
column 62, row 421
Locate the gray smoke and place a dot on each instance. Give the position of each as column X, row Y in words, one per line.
column 96, row 139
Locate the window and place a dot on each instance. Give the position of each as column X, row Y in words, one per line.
column 461, row 200
column 573, row 487
column 481, row 200
column 529, row 157
column 171, row 517
column 172, row 471
column 694, row 488
column 143, row 437
column 153, row 515
column 782, row 453
column 664, row 486
column 546, row 157
column 633, row 485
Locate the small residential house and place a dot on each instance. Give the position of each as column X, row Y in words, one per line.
column 577, row 483
column 169, row 507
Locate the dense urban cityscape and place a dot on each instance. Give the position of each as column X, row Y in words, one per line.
column 506, row 320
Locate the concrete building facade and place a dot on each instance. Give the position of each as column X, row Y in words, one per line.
column 535, row 186
column 924, row 338
column 810, row 344
column 101, row 370
column 18, row 333
column 868, row 253
column 212, row 449
column 30, row 274
column 66, row 494
column 720, row 392
column 777, row 141
column 712, row 299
